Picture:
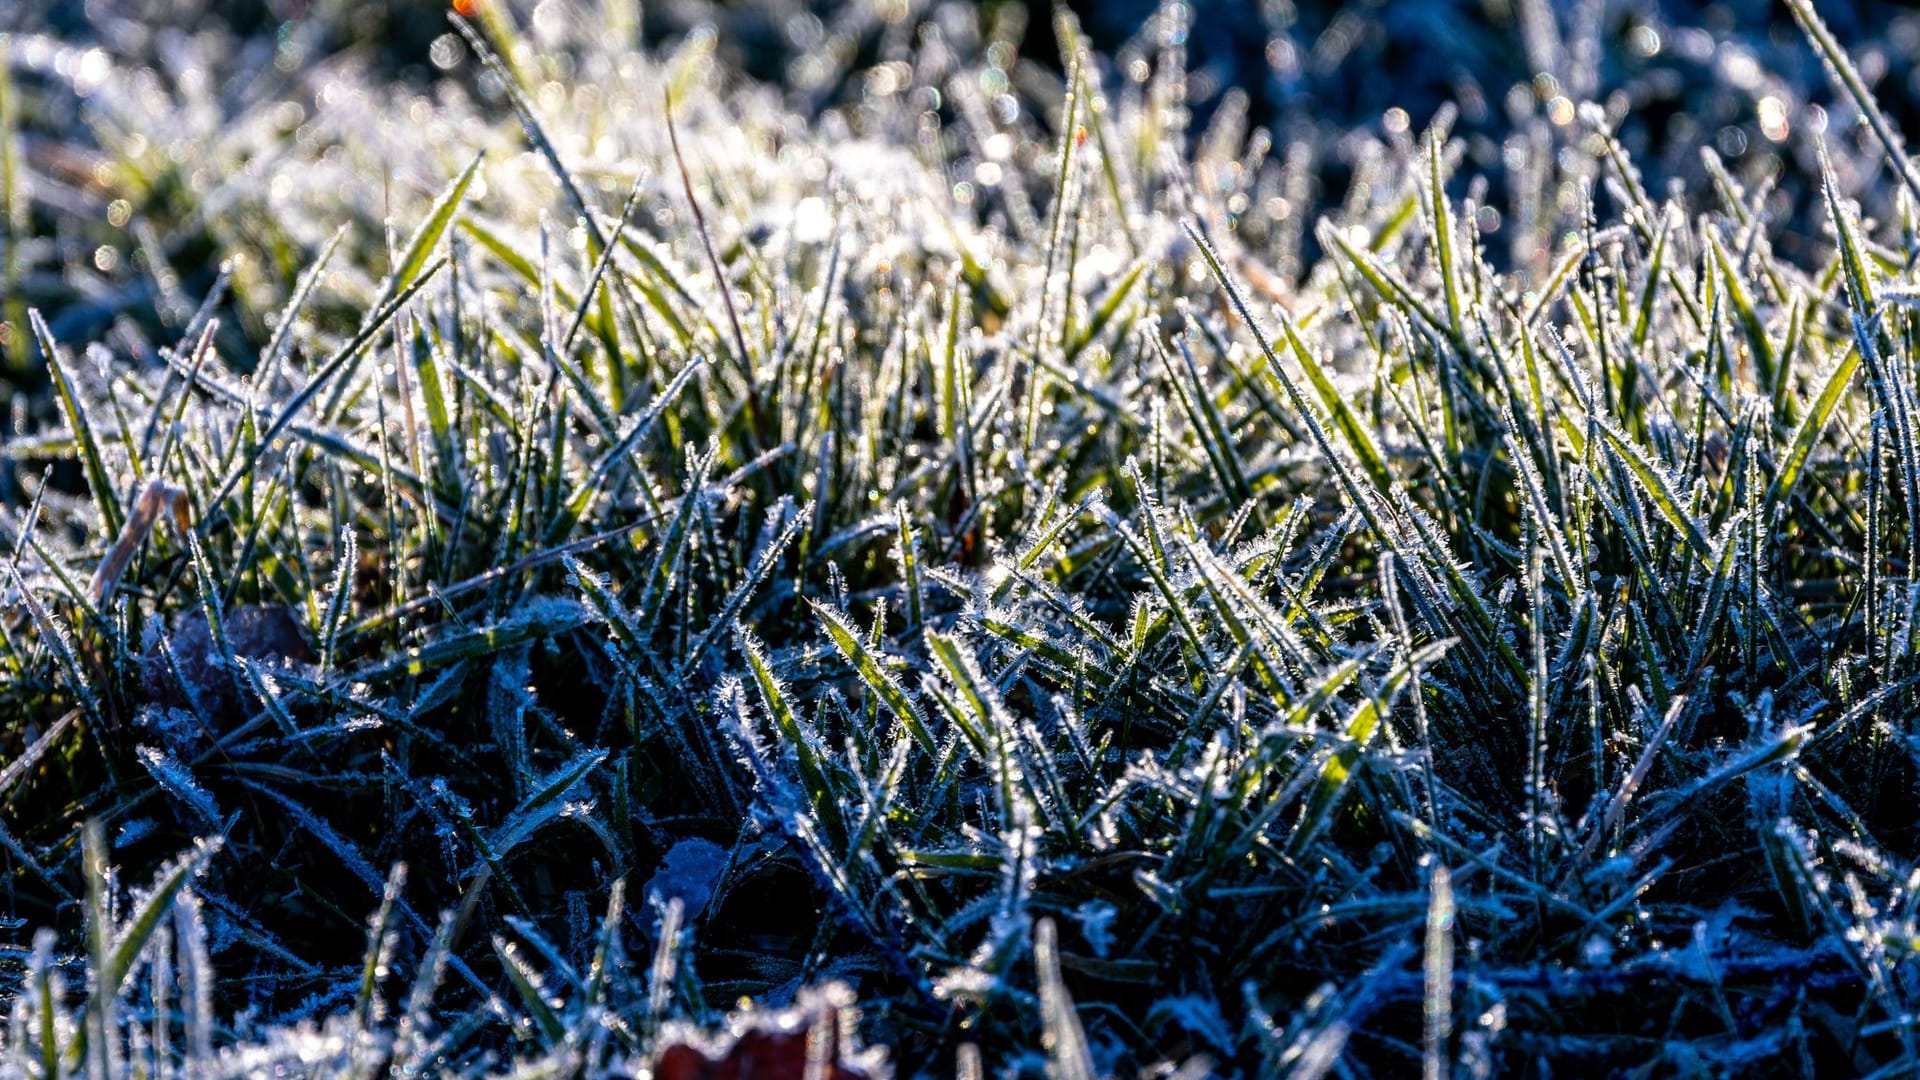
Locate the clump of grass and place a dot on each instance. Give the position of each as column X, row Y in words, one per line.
column 1096, row 646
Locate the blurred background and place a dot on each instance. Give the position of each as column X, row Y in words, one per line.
column 1320, row 85
column 1298, row 64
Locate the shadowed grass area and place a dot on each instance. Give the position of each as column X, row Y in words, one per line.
column 655, row 539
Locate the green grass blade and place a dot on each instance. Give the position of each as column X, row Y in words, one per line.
column 813, row 773
column 1657, row 486
column 426, row 237
column 1841, row 68
column 1812, row 426
column 131, row 939
column 81, row 424
column 879, row 681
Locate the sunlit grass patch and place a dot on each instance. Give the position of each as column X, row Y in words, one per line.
column 655, row 539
